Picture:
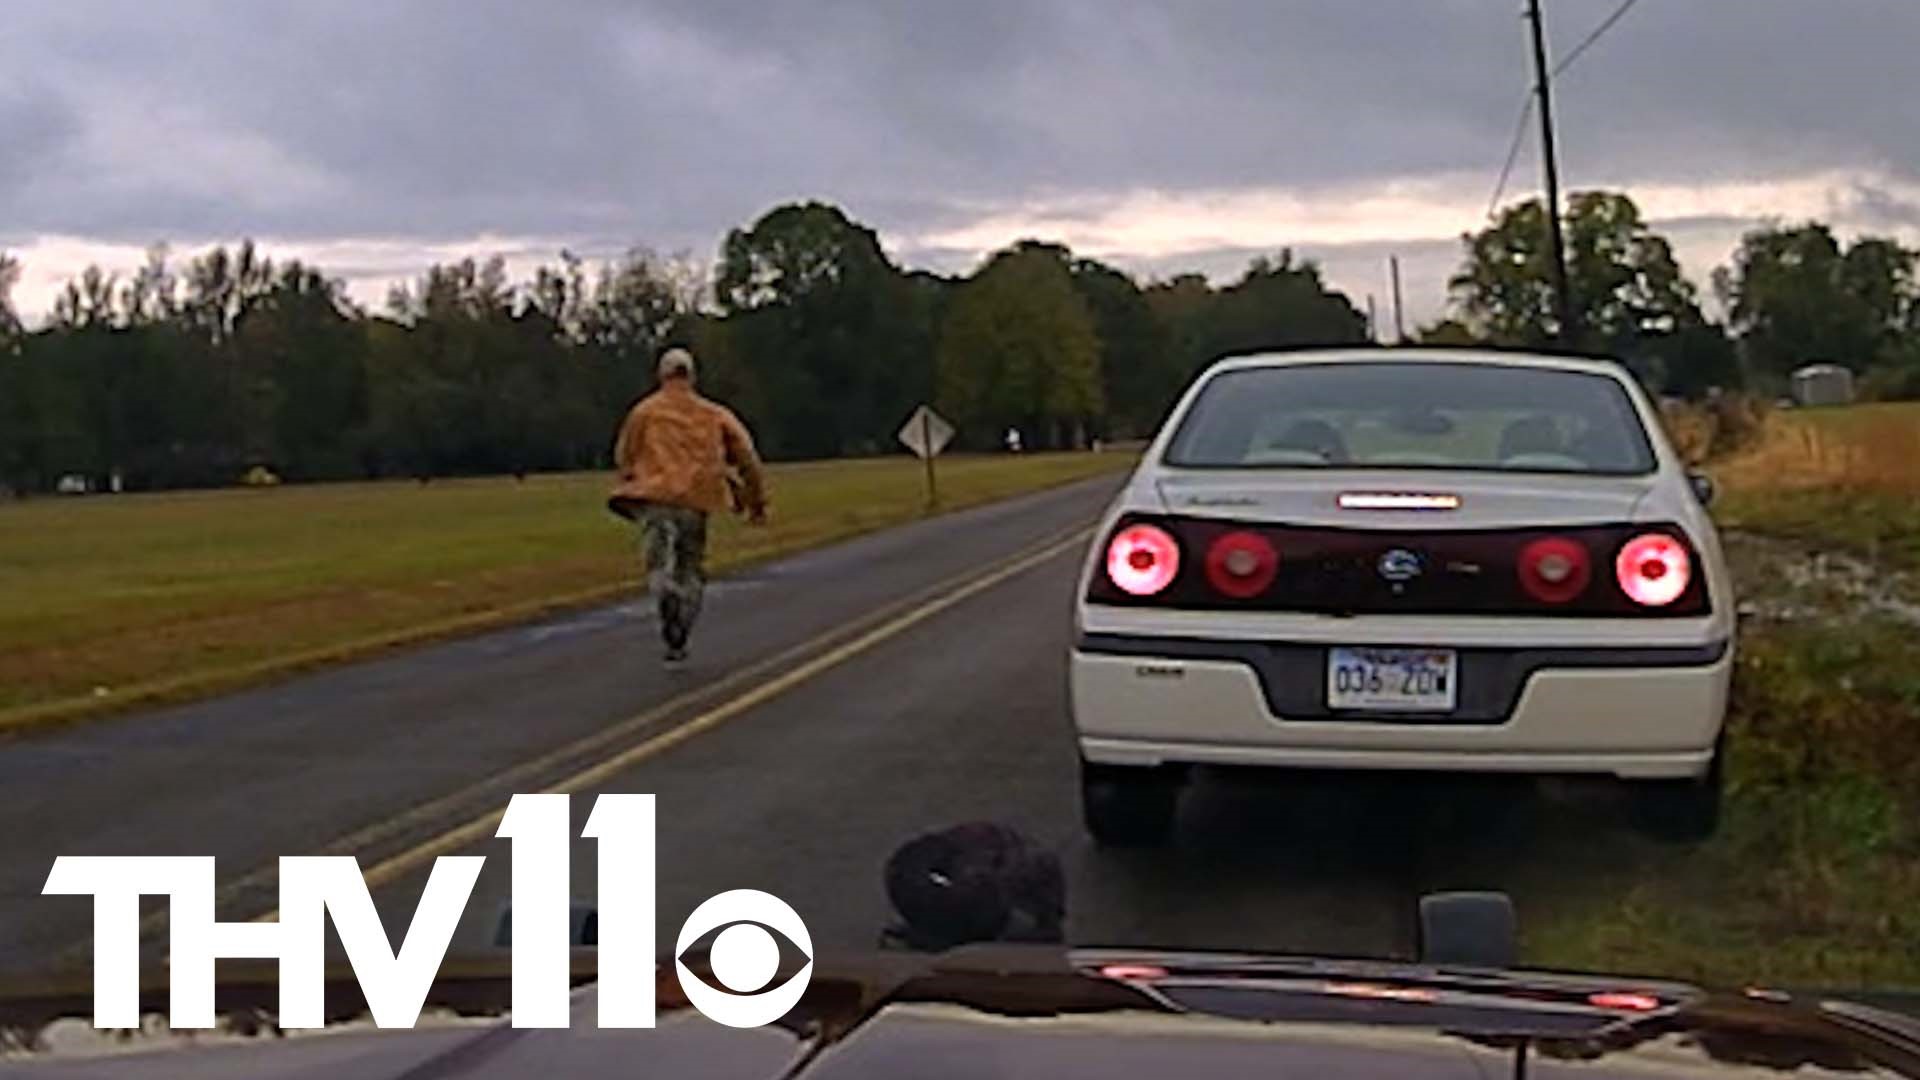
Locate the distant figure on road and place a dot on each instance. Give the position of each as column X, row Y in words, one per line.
column 677, row 454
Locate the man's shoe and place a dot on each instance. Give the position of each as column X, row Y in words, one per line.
column 675, row 657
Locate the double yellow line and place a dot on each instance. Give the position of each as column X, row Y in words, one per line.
column 757, row 683
column 586, row 779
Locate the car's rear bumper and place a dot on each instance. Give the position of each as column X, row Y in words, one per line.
column 1630, row 712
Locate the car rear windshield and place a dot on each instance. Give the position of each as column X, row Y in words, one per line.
column 1369, row 414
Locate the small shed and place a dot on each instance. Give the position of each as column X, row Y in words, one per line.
column 1823, row 384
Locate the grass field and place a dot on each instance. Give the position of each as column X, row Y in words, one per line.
column 147, row 597
column 1848, row 477
column 1814, row 876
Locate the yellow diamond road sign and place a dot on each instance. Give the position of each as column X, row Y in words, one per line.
column 926, row 433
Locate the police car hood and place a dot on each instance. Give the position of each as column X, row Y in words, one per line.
column 1106, row 1014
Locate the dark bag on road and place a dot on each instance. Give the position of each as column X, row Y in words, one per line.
column 974, row 883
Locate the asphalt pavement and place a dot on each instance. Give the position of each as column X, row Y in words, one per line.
column 372, row 758
column 839, row 702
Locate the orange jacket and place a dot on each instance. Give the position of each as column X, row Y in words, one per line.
column 676, row 448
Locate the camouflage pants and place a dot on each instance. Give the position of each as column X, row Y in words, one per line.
column 673, row 540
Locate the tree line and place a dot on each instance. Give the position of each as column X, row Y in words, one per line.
column 194, row 374
column 1793, row 294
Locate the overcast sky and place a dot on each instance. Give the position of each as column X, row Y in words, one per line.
column 377, row 137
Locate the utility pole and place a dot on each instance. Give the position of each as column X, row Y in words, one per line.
column 1549, row 156
column 1399, row 327
column 1373, row 325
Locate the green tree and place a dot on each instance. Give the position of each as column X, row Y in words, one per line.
column 1018, row 348
column 1140, row 375
column 465, row 410
column 302, row 340
column 175, row 377
column 573, row 395
column 1878, row 273
column 1629, row 296
column 410, row 405
column 1622, row 277
column 1797, row 296
column 10, row 328
column 1183, row 306
column 152, row 296
column 639, row 303
column 724, row 372
column 84, row 390
column 16, row 415
column 1689, row 361
column 119, row 386
column 86, row 301
column 1279, row 304
column 827, row 324
column 220, row 288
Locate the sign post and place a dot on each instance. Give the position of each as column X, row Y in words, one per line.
column 926, row 439
column 926, row 433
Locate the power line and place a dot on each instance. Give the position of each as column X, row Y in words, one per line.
column 1526, row 105
column 1513, row 155
column 1598, row 31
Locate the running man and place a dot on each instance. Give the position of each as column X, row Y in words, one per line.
column 677, row 454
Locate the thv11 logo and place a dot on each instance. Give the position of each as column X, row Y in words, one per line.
column 314, row 889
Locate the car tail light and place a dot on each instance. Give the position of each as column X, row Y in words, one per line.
column 1624, row 1000
column 1142, row 559
column 1554, row 569
column 1242, row 565
column 1653, row 569
column 1134, row 972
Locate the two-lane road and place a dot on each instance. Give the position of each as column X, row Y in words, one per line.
column 839, row 703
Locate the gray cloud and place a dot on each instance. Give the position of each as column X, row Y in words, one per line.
column 668, row 122
column 35, row 123
column 1880, row 208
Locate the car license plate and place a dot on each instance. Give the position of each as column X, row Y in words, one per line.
column 1392, row 680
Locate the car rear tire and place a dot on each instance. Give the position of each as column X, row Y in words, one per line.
column 1126, row 806
column 1682, row 811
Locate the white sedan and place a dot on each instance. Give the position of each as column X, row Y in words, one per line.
column 1437, row 560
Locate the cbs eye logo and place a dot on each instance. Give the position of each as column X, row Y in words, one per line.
column 744, row 957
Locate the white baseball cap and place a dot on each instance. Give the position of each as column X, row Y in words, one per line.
column 675, row 363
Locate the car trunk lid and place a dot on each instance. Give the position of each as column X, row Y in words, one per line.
column 1402, row 499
